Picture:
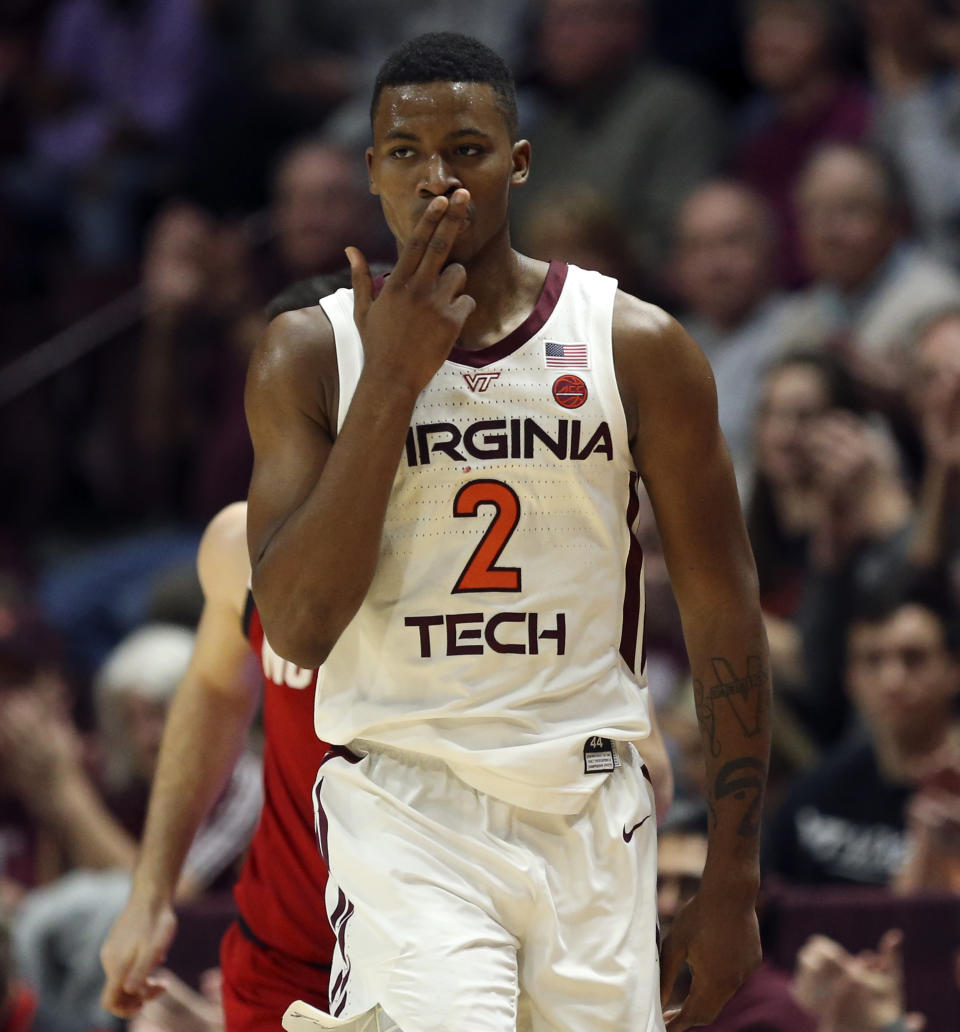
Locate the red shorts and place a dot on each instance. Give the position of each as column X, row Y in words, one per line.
column 260, row 982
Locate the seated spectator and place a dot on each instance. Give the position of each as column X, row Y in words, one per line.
column 846, row 820
column 792, row 52
column 871, row 284
column 578, row 226
column 113, row 98
column 723, row 275
column 59, row 928
column 320, row 203
column 614, row 120
column 828, row 503
column 899, row 43
column 860, row 992
column 134, row 688
column 764, row 1000
column 915, row 60
column 52, row 814
column 933, row 838
column 20, row 1009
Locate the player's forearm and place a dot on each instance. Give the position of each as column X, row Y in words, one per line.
column 205, row 733
column 730, row 665
column 317, row 568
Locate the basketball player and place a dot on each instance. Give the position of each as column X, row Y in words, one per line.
column 440, row 513
column 281, row 944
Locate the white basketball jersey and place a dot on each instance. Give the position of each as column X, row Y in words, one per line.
column 503, row 629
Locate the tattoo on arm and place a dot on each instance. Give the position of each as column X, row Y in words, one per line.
column 707, row 716
column 744, row 695
column 741, row 779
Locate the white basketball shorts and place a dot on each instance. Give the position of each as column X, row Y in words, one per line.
column 447, row 904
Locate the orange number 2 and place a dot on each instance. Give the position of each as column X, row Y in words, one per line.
column 481, row 573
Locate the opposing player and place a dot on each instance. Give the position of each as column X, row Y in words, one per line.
column 440, row 513
column 281, row 945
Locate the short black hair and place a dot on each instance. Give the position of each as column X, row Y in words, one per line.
column 449, row 57
column 928, row 589
column 842, row 389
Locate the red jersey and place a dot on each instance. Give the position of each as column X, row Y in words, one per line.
column 281, row 888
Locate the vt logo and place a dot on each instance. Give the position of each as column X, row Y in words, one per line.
column 480, row 381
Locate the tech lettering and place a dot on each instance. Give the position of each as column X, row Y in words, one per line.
column 473, row 634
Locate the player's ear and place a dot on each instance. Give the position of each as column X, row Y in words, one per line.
column 520, row 155
column 371, row 180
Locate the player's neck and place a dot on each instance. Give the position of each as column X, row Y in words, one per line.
column 506, row 285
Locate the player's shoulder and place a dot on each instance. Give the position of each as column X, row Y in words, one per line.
column 294, row 365
column 223, row 563
column 648, row 340
column 660, row 370
column 295, row 347
column 297, row 337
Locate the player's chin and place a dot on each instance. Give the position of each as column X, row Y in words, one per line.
column 465, row 247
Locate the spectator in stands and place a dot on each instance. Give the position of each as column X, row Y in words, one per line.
column 764, row 1001
column 579, row 226
column 854, row 992
column 88, row 812
column 828, row 503
column 317, row 59
column 59, row 929
column 723, row 273
column 933, row 838
column 320, row 204
column 166, row 438
column 613, row 119
column 20, row 1009
column 917, row 79
column 846, row 820
column 899, row 41
column 792, row 51
column 871, row 284
column 45, row 820
column 117, row 85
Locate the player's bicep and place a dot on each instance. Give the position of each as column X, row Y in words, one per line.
column 221, row 653
column 288, row 421
column 683, row 460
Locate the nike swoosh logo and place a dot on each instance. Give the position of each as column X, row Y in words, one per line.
column 627, row 835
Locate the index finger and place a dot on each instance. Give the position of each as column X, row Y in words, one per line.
column 428, row 253
column 413, row 250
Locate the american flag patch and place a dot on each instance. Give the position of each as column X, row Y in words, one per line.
column 566, row 356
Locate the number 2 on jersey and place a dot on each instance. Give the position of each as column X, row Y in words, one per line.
column 481, row 572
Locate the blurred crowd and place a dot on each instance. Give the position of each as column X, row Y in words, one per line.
column 783, row 175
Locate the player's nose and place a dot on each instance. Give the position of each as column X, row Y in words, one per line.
column 439, row 178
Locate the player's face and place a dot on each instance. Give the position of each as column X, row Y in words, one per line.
column 430, row 139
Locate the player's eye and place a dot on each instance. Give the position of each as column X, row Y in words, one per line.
column 469, row 150
column 401, row 152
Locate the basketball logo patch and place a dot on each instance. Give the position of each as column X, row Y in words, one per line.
column 569, row 391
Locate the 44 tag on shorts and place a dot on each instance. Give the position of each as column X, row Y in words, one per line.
column 599, row 756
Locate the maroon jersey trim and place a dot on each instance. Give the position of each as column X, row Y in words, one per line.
column 533, row 324
column 631, row 595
